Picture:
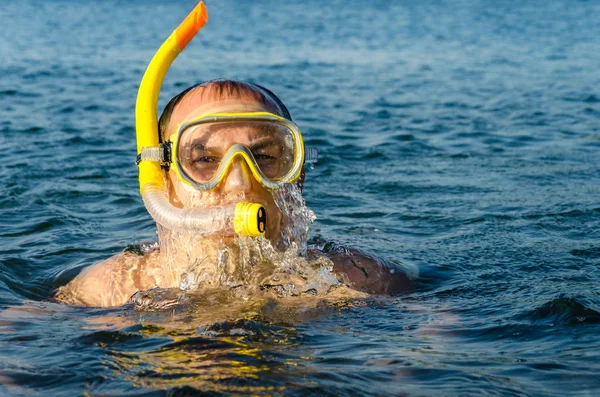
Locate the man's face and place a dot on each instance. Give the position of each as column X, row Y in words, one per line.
column 238, row 184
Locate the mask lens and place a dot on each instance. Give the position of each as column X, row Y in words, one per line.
column 202, row 147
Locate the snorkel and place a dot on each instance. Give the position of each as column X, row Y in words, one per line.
column 247, row 219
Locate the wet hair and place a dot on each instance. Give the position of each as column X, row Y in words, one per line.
column 225, row 88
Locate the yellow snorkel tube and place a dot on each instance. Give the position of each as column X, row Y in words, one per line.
column 243, row 218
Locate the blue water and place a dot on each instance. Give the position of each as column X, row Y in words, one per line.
column 462, row 137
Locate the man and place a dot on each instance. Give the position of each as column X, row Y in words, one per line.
column 200, row 149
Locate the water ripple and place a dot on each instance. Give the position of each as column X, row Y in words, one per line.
column 461, row 137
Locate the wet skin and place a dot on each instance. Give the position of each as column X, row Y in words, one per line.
column 114, row 281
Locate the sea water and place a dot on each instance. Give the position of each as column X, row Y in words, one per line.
column 460, row 137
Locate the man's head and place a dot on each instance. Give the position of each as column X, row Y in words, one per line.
column 216, row 90
column 238, row 183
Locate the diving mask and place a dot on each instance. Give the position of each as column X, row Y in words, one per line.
column 203, row 149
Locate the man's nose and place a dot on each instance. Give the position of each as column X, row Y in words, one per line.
column 238, row 178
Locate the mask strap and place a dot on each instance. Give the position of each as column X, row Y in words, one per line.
column 311, row 155
column 158, row 154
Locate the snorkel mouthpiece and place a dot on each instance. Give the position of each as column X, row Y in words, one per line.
column 244, row 218
column 250, row 219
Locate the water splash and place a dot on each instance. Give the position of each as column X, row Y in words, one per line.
column 249, row 265
column 290, row 202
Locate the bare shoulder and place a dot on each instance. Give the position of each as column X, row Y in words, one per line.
column 367, row 273
column 111, row 282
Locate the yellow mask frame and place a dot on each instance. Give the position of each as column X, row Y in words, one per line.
column 239, row 151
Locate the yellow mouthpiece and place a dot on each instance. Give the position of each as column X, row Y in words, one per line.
column 250, row 219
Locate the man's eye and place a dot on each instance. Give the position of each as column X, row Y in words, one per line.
column 201, row 160
column 264, row 157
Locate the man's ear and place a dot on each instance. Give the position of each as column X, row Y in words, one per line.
column 170, row 189
column 300, row 181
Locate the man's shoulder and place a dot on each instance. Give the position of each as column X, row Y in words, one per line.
column 112, row 281
column 366, row 272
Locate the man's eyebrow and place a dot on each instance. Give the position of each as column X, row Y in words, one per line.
column 197, row 144
column 263, row 143
column 200, row 144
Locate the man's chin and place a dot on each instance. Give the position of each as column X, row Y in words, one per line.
column 224, row 238
column 229, row 238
